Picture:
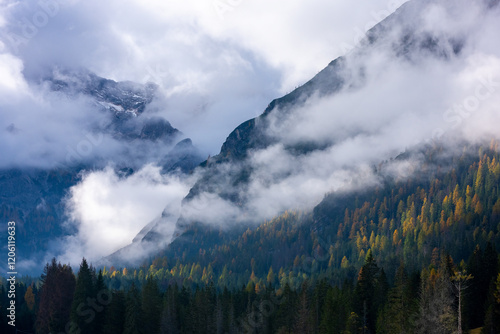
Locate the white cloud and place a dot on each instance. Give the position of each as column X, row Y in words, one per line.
column 12, row 83
column 395, row 104
column 217, row 72
column 108, row 211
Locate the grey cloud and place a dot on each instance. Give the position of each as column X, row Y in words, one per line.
column 109, row 211
column 215, row 73
column 396, row 96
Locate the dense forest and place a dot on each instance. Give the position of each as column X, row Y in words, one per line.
column 412, row 255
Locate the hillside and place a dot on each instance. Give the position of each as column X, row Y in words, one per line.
column 356, row 256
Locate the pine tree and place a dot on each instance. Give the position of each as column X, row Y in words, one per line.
column 461, row 282
column 474, row 301
column 395, row 317
column 286, row 311
column 133, row 312
column 365, row 293
column 492, row 319
column 3, row 305
column 271, row 277
column 100, row 290
column 56, row 296
column 169, row 320
column 483, row 268
column 303, row 322
column 29, row 298
column 354, row 324
column 335, row 311
column 115, row 314
column 151, row 306
column 84, row 308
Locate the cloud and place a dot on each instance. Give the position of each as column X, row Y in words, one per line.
column 391, row 102
column 38, row 128
column 122, row 33
column 217, row 68
column 214, row 70
column 210, row 83
column 12, row 83
column 108, row 211
column 219, row 63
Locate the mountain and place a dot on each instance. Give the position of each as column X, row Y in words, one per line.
column 412, row 234
column 124, row 101
column 325, row 214
column 400, row 35
column 450, row 203
column 35, row 197
column 229, row 177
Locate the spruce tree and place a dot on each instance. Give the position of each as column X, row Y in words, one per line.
column 102, row 303
column 56, row 296
column 303, row 321
column 366, row 293
column 133, row 312
column 115, row 314
column 169, row 320
column 151, row 306
column 492, row 319
column 84, row 308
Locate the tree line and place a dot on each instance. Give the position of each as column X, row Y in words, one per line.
column 376, row 261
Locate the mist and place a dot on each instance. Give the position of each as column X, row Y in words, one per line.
column 216, row 68
column 390, row 103
column 108, row 211
column 214, row 65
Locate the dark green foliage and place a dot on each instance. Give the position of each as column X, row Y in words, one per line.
column 83, row 314
column 492, row 320
column 376, row 261
column 56, row 296
column 483, row 267
column 115, row 314
column 369, row 293
column 151, row 306
column 286, row 312
column 133, row 312
column 304, row 321
column 336, row 310
column 169, row 316
column 101, row 294
column 4, row 327
column 401, row 302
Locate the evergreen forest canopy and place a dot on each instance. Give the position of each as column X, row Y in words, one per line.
column 416, row 255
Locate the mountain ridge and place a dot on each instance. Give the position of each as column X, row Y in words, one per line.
column 34, row 197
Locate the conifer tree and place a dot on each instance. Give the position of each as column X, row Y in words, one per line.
column 84, row 308
column 100, row 291
column 151, row 306
column 492, row 319
column 365, row 293
column 169, row 320
column 56, row 296
column 303, row 322
column 115, row 314
column 133, row 312
column 395, row 317
column 336, row 311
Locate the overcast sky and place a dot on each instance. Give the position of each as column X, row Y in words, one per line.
column 218, row 62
